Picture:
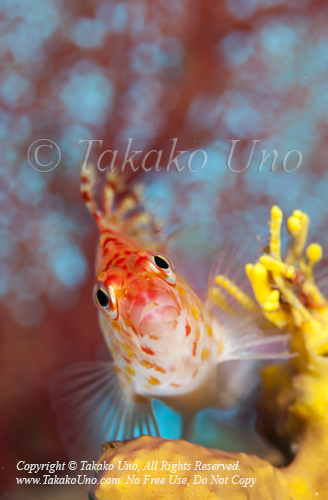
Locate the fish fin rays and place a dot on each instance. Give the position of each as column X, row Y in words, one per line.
column 252, row 338
column 123, row 208
column 236, row 381
column 321, row 279
column 239, row 326
column 229, row 290
column 92, row 408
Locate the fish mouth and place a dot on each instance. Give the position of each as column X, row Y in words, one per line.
column 149, row 317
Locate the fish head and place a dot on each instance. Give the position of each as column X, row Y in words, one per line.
column 144, row 296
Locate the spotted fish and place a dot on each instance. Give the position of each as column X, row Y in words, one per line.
column 166, row 343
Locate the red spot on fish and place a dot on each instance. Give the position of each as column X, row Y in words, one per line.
column 195, row 373
column 86, row 196
column 139, row 259
column 128, row 252
column 112, row 261
column 107, row 240
column 152, row 365
column 126, row 359
column 159, row 369
column 175, row 385
column 120, row 261
column 194, row 349
column 124, row 267
column 147, row 351
column 188, row 329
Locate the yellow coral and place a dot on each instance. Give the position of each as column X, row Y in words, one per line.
column 301, row 307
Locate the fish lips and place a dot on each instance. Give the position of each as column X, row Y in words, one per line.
column 152, row 315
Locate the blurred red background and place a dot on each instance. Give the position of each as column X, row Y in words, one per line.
column 202, row 72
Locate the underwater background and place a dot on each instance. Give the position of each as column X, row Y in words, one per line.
column 203, row 72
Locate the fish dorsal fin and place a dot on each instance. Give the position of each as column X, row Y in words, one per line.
column 92, row 408
column 239, row 325
column 123, row 209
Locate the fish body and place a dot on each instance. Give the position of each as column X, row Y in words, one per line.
column 161, row 335
column 166, row 343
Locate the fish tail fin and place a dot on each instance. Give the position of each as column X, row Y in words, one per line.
column 92, row 408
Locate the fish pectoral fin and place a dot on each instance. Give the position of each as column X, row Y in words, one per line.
column 229, row 291
column 239, row 327
column 252, row 338
column 91, row 408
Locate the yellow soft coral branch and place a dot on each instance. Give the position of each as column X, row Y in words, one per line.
column 275, row 225
column 234, row 291
column 314, row 253
column 298, row 225
column 278, row 267
column 259, row 278
column 285, row 288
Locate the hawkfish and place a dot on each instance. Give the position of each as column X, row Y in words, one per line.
column 165, row 342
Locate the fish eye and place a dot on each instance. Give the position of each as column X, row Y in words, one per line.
column 161, row 262
column 105, row 299
column 164, row 268
column 102, row 298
